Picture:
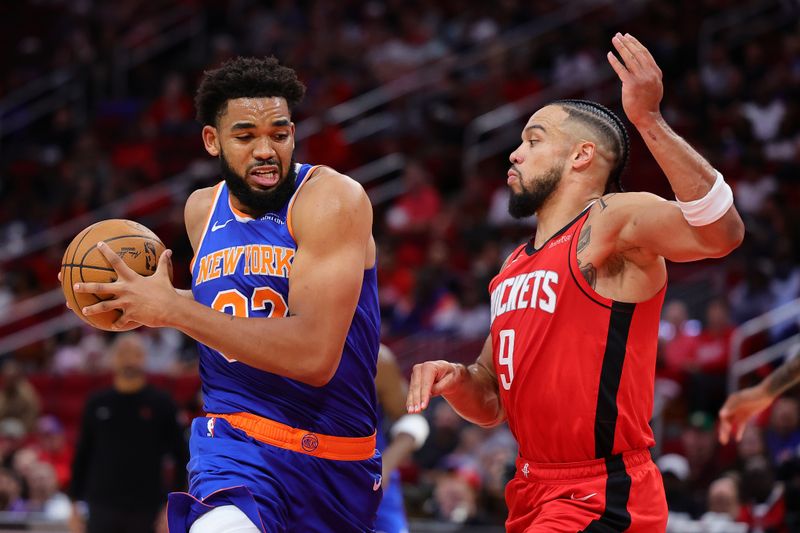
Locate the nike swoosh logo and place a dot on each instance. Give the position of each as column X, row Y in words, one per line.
column 377, row 483
column 583, row 499
column 215, row 227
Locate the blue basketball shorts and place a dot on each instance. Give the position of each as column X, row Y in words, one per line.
column 280, row 490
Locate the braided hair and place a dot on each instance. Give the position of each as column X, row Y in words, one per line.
column 606, row 123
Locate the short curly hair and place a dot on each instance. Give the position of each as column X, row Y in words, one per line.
column 245, row 77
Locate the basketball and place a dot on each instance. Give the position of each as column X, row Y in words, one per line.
column 139, row 247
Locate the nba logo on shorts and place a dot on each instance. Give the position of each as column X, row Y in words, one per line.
column 525, row 469
column 309, row 442
column 211, row 427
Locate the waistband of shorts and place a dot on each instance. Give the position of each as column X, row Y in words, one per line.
column 301, row 440
column 531, row 471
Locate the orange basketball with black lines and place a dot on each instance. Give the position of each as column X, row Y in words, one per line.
column 139, row 247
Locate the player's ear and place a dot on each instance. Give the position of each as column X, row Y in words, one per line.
column 211, row 140
column 583, row 155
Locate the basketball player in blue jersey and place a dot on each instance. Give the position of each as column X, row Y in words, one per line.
column 284, row 306
column 407, row 434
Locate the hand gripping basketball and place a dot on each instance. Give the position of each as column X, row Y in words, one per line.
column 141, row 299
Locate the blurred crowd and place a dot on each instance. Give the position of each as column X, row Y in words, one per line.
column 444, row 235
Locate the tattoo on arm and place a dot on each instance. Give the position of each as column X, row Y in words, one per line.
column 784, row 377
column 603, row 205
column 589, row 274
column 584, row 238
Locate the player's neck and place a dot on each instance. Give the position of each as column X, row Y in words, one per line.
column 557, row 212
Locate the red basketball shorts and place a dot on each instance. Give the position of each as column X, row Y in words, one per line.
column 621, row 493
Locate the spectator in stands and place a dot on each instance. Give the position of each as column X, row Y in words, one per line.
column 10, row 492
column 455, row 496
column 69, row 357
column 173, row 111
column 752, row 296
column 783, row 433
column 446, row 428
column 764, row 506
column 723, row 497
column 724, row 508
column 473, row 315
column 751, row 445
column 163, row 346
column 700, row 448
column 81, row 350
column 785, row 282
column 18, row 398
column 414, row 211
column 765, row 111
column 6, row 294
column 675, row 472
column 125, row 434
column 680, row 336
column 23, row 463
column 12, row 438
column 719, row 75
column 754, row 186
column 52, row 447
column 43, row 494
column 708, row 365
column 496, row 456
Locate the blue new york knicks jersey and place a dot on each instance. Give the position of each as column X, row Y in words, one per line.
column 242, row 267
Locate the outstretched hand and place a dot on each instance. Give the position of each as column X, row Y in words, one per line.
column 430, row 379
column 142, row 299
column 642, row 88
column 739, row 408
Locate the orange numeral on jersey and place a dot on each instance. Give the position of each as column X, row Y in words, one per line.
column 267, row 295
column 235, row 303
column 232, row 302
column 506, row 357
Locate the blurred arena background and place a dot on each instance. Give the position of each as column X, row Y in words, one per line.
column 421, row 101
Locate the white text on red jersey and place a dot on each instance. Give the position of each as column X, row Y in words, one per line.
column 531, row 290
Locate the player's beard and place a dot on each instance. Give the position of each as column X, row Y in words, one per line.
column 259, row 202
column 530, row 200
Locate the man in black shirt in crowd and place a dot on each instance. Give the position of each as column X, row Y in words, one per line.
column 126, row 432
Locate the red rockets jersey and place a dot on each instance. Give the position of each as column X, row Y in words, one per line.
column 575, row 370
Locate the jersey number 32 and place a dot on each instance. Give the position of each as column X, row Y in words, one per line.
column 233, row 302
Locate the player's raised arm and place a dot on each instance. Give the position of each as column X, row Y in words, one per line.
column 471, row 390
column 703, row 222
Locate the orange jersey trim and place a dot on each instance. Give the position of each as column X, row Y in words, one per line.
column 236, row 212
column 218, row 188
column 301, row 440
column 294, row 197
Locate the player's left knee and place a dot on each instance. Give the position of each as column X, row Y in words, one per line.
column 224, row 519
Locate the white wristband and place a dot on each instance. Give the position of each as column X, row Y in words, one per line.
column 414, row 425
column 711, row 207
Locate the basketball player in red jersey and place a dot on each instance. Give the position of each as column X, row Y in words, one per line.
column 570, row 359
